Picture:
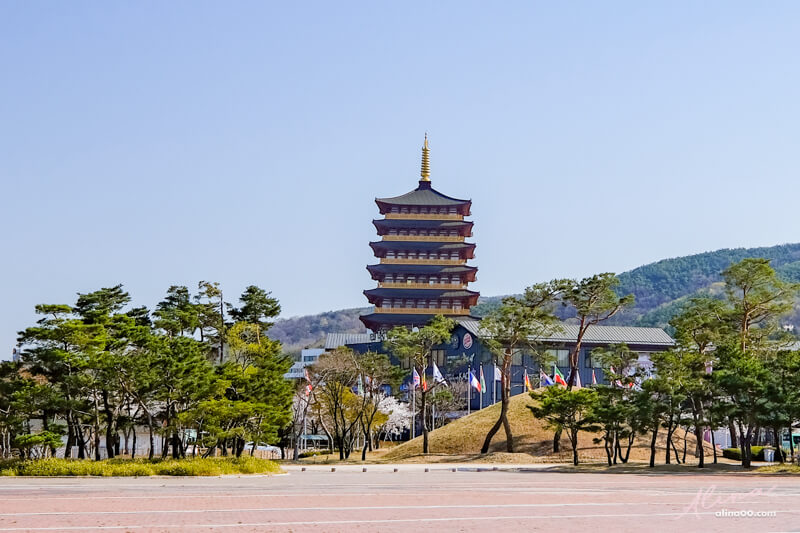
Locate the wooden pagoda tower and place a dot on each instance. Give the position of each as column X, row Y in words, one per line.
column 423, row 255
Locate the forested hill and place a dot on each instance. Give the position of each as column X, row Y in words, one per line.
column 669, row 279
column 659, row 289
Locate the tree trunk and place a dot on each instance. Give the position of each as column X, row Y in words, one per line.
column 70, row 436
column 96, row 428
column 674, row 448
column 557, row 442
column 714, row 444
column 744, row 438
column 698, row 434
column 607, row 446
column 152, row 449
column 778, row 447
column 685, row 433
column 133, row 444
column 81, row 438
column 631, row 438
column 653, row 446
column 424, row 423
column 791, row 444
column 669, row 442
column 732, row 431
column 574, row 441
column 109, row 425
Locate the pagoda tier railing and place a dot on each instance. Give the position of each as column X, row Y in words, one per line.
column 423, row 216
column 397, row 285
column 424, row 238
column 388, row 261
column 421, row 311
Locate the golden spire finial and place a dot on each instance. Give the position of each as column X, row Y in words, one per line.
column 426, row 161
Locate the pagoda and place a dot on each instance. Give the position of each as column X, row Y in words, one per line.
column 423, row 255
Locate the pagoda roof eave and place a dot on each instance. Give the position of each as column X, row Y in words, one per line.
column 421, row 269
column 421, row 245
column 424, row 197
column 414, row 224
column 427, row 294
column 380, row 320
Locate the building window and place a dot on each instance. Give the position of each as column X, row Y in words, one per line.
column 437, row 356
column 591, row 362
column 561, row 356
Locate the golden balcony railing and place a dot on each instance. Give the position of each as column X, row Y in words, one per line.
column 423, row 238
column 399, row 285
column 423, row 216
column 420, row 311
column 388, row 261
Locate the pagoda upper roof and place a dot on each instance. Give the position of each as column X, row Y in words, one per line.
column 423, row 195
column 420, row 269
column 394, row 223
column 428, row 294
column 421, row 246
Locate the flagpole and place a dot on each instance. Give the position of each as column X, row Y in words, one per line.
column 469, row 389
column 413, row 409
column 494, row 383
column 482, row 387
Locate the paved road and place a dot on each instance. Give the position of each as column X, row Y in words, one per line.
column 411, row 499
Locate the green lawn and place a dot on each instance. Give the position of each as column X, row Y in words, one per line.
column 139, row 467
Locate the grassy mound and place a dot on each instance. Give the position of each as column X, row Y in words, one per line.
column 139, row 467
column 532, row 441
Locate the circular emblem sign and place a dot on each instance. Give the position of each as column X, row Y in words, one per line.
column 454, row 341
column 467, row 341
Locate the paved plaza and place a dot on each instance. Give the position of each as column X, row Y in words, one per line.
column 523, row 498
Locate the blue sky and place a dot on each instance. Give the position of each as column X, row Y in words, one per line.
column 159, row 143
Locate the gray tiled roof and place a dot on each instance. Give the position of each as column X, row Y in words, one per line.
column 395, row 223
column 429, row 294
column 595, row 334
column 421, row 269
column 421, row 245
column 423, row 196
column 335, row 340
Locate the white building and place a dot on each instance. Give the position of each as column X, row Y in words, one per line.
column 307, row 357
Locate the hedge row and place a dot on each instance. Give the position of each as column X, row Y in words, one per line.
column 139, row 467
column 736, row 453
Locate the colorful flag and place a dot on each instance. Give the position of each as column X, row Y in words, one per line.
column 424, row 382
column 544, row 379
column 308, row 383
column 483, row 382
column 558, row 377
column 437, row 376
column 527, row 382
column 618, row 383
column 577, row 384
column 415, row 377
column 498, row 376
column 473, row 381
column 594, row 378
